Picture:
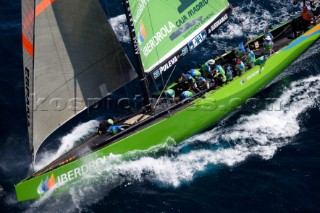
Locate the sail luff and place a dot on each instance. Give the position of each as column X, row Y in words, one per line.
column 28, row 27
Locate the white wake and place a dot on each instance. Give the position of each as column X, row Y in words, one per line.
column 68, row 142
column 120, row 27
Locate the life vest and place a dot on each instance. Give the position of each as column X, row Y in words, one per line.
column 220, row 69
column 229, row 74
column 170, row 93
column 242, row 47
column 114, row 129
column 268, row 44
column 201, row 80
column 189, row 77
column 251, row 57
column 206, row 67
column 186, row 94
column 195, row 73
column 241, row 67
column 268, row 34
column 261, row 60
column 224, row 78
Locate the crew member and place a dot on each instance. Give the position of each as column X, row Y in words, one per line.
column 241, row 50
column 186, row 81
column 261, row 60
column 202, row 83
column 240, row 68
column 114, row 129
column 191, row 81
column 220, row 78
column 229, row 74
column 306, row 16
column 194, row 73
column 267, row 33
column 170, row 93
column 104, row 125
column 207, row 68
column 250, row 58
column 220, row 69
column 268, row 45
column 186, row 94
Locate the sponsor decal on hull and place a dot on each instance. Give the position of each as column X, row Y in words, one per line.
column 95, row 166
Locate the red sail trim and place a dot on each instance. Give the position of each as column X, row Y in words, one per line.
column 27, row 45
column 43, row 5
column 40, row 8
column 28, row 21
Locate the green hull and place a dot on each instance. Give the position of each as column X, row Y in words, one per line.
column 203, row 112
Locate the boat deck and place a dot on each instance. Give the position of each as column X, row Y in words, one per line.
column 282, row 37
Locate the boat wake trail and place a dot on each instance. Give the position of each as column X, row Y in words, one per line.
column 260, row 134
column 264, row 133
column 254, row 18
column 79, row 133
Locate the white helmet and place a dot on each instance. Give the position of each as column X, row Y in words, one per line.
column 211, row 62
column 110, row 121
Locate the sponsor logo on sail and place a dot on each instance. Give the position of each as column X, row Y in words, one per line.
column 169, row 64
column 142, row 33
column 158, row 37
column 141, row 5
column 46, row 185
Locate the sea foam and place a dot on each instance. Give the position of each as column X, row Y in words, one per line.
column 68, row 142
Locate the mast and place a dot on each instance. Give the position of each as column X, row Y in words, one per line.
column 141, row 74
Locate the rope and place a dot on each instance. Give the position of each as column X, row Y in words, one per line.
column 282, row 32
column 165, row 86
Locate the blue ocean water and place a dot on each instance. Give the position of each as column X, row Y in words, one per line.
column 260, row 158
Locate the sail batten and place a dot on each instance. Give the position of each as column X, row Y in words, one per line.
column 165, row 37
column 76, row 61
